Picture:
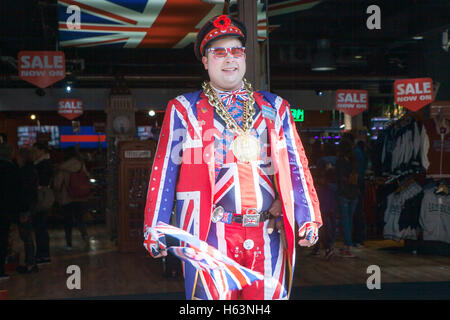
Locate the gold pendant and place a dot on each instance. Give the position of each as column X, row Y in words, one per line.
column 245, row 147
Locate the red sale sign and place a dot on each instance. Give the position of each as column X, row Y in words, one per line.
column 352, row 102
column 414, row 94
column 42, row 68
column 70, row 108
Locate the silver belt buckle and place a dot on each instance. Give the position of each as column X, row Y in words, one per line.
column 250, row 220
column 217, row 214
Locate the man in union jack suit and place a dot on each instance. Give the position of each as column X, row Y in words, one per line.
column 234, row 162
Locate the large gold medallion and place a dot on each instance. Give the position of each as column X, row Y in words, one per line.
column 245, row 147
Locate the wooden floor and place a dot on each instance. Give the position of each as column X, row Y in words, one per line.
column 106, row 272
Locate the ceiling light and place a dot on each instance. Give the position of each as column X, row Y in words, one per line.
column 418, row 37
column 152, row 113
column 68, row 88
column 323, row 59
column 358, row 57
column 33, row 117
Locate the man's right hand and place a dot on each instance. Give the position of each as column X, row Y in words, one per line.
column 154, row 245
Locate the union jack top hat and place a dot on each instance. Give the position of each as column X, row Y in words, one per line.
column 217, row 28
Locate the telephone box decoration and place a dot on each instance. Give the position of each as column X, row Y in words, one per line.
column 135, row 165
column 352, row 102
column 414, row 94
column 70, row 108
column 42, row 68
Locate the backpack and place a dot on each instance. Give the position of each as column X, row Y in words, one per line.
column 79, row 185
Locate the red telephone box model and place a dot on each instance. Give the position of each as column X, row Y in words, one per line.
column 136, row 159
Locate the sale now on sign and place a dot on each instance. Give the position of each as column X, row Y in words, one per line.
column 70, row 108
column 42, row 68
column 352, row 102
column 414, row 94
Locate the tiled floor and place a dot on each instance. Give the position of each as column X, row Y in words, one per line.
column 106, row 272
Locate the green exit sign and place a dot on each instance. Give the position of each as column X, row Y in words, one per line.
column 298, row 114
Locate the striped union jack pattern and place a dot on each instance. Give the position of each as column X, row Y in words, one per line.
column 150, row 23
column 134, row 23
column 191, row 128
column 226, row 274
column 230, row 97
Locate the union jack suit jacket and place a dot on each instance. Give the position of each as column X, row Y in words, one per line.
column 184, row 168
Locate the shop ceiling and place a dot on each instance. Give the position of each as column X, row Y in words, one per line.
column 364, row 58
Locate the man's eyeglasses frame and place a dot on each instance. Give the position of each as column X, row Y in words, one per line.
column 235, row 52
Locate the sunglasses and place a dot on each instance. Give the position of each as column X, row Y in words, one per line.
column 220, row 52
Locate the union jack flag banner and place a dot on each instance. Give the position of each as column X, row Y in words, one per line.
column 150, row 24
column 226, row 273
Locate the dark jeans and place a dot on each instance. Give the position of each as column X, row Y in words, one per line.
column 42, row 236
column 71, row 211
column 359, row 220
column 346, row 210
column 26, row 234
column 4, row 236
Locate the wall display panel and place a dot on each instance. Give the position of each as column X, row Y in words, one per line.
column 27, row 135
column 145, row 132
column 86, row 137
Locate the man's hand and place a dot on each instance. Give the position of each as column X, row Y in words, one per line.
column 309, row 235
column 155, row 245
column 275, row 211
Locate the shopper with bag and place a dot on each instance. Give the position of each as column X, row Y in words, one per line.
column 72, row 188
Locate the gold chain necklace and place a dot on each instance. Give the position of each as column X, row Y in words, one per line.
column 245, row 147
column 248, row 112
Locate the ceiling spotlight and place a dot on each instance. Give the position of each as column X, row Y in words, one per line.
column 358, row 57
column 152, row 113
column 33, row 117
column 323, row 59
column 68, row 88
column 418, row 37
column 319, row 93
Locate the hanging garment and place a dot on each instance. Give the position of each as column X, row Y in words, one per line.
column 438, row 155
column 435, row 216
column 394, row 209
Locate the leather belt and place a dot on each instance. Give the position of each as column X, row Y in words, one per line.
column 247, row 220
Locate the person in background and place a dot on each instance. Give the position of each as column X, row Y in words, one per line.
column 360, row 219
column 326, row 191
column 347, row 191
column 9, row 196
column 72, row 207
column 28, row 199
column 44, row 167
column 328, row 159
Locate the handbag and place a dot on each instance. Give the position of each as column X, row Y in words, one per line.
column 46, row 198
